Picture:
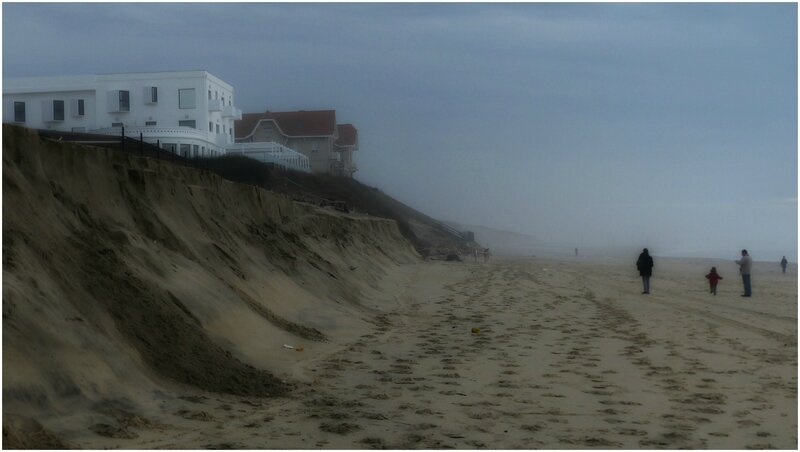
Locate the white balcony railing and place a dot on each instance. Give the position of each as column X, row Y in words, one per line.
column 272, row 152
column 214, row 105
column 229, row 111
column 156, row 132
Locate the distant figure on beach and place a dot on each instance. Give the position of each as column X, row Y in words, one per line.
column 645, row 267
column 784, row 262
column 576, row 251
column 744, row 268
column 486, row 255
column 713, row 278
column 475, row 254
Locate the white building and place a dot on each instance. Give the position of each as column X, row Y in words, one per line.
column 190, row 112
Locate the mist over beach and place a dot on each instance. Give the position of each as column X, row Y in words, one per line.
column 603, row 125
column 399, row 226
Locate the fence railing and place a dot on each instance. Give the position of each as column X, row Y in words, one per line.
column 135, row 145
column 147, row 131
column 272, row 152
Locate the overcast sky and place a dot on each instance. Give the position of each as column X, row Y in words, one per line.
column 672, row 126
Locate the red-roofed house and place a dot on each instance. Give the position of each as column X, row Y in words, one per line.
column 312, row 133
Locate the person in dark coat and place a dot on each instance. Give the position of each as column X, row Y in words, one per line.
column 713, row 278
column 645, row 267
column 784, row 262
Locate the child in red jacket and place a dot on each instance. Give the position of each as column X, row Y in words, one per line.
column 713, row 279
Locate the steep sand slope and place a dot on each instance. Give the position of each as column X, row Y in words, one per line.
column 430, row 237
column 125, row 279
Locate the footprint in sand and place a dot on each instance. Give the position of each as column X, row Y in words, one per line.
column 342, row 428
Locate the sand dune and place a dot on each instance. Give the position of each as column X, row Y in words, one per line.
column 125, row 279
column 173, row 312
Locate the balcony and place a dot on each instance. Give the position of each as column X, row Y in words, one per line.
column 229, row 111
column 271, row 152
column 155, row 132
column 214, row 105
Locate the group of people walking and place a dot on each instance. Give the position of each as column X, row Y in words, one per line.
column 645, row 266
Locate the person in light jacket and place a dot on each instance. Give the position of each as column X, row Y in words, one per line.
column 744, row 268
column 645, row 266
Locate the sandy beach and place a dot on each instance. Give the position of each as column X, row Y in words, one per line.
column 399, row 226
column 210, row 314
column 564, row 355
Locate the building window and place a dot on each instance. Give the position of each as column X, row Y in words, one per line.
column 19, row 111
column 216, row 94
column 217, row 128
column 209, row 94
column 210, row 126
column 151, row 94
column 77, row 107
column 231, row 131
column 124, row 101
column 79, row 129
column 186, row 149
column 116, row 124
column 169, row 147
column 119, row 101
column 58, row 110
column 188, row 123
column 315, row 146
column 186, row 98
column 149, row 123
column 195, row 149
column 223, row 99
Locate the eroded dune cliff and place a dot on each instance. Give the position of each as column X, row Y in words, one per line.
column 125, row 276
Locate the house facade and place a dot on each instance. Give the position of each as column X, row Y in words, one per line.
column 311, row 133
column 187, row 112
column 346, row 144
